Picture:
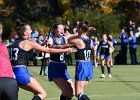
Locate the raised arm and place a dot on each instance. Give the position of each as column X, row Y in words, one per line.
column 38, row 47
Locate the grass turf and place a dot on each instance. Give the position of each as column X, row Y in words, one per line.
column 124, row 84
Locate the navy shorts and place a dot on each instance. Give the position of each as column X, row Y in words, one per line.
column 22, row 75
column 57, row 70
column 106, row 56
column 84, row 70
column 8, row 89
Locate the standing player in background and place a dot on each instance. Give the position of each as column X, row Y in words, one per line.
column 105, row 55
column 124, row 48
column 113, row 41
column 133, row 48
column 19, row 51
column 96, row 53
column 44, row 57
column 8, row 85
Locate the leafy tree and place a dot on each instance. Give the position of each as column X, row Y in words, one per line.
column 98, row 12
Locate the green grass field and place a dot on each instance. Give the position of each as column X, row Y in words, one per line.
column 124, row 85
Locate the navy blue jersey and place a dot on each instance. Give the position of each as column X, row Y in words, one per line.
column 104, row 48
column 85, row 53
column 18, row 56
column 60, row 56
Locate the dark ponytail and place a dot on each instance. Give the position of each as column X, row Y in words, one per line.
column 20, row 28
column 82, row 26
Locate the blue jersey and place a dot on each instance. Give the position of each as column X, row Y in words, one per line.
column 57, row 68
column 104, row 48
column 84, row 68
column 18, row 55
column 124, row 40
column 19, row 59
column 132, row 42
column 85, row 53
column 60, row 56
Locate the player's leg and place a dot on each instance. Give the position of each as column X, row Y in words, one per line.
column 67, row 88
column 10, row 89
column 44, row 66
column 41, row 68
column 79, row 90
column 102, row 57
column 36, row 88
column 111, row 60
column 95, row 60
column 108, row 58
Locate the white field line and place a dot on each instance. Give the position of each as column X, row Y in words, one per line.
column 104, row 95
column 113, row 78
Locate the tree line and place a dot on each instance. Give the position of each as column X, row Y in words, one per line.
column 115, row 13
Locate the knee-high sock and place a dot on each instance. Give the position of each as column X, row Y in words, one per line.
column 108, row 69
column 102, row 69
column 36, row 98
column 62, row 97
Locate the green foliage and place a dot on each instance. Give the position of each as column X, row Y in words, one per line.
column 42, row 13
column 104, row 23
column 7, row 24
column 44, row 24
column 1, row 1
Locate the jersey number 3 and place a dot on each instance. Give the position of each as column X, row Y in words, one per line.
column 14, row 53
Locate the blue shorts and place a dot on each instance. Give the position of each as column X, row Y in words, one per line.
column 22, row 75
column 106, row 56
column 84, row 70
column 57, row 70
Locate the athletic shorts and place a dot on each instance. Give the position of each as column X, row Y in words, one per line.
column 58, row 70
column 21, row 74
column 84, row 70
column 8, row 89
column 106, row 56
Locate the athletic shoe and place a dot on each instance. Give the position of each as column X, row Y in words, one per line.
column 109, row 75
column 103, row 76
column 96, row 65
column 111, row 64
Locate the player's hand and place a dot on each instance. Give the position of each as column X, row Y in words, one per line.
column 72, row 50
column 48, row 43
column 92, row 29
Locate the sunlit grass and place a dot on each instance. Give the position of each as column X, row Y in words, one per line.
column 124, row 85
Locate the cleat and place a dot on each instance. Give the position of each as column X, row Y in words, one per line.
column 111, row 64
column 96, row 65
column 109, row 75
column 103, row 76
